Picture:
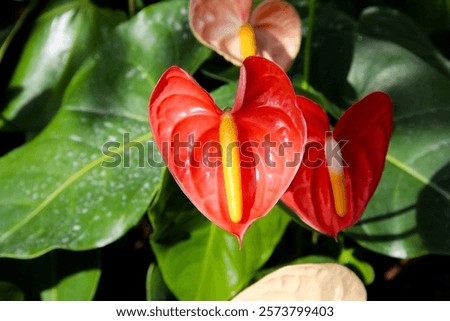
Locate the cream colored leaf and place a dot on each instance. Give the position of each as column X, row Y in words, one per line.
column 307, row 282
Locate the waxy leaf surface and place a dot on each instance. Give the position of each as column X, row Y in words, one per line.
column 157, row 289
column 63, row 35
column 90, row 175
column 409, row 214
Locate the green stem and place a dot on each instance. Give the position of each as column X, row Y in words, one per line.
column 315, row 237
column 20, row 22
column 307, row 57
column 131, row 8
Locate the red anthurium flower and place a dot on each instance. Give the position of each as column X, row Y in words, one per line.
column 230, row 28
column 234, row 165
column 341, row 169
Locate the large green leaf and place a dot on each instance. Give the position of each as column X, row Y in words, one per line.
column 391, row 25
column 61, row 38
column 58, row 275
column 161, row 37
column 90, row 175
column 198, row 260
column 409, row 214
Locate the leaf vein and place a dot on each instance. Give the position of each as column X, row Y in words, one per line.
column 418, row 176
column 70, row 180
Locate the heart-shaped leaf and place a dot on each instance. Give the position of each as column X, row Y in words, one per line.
column 90, row 175
column 409, row 212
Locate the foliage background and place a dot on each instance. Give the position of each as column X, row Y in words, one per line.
column 75, row 74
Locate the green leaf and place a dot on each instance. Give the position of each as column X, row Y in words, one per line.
column 433, row 16
column 61, row 38
column 58, row 275
column 198, row 260
column 409, row 213
column 10, row 292
column 157, row 289
column 392, row 25
column 161, row 37
column 90, row 175
column 224, row 96
column 313, row 259
column 70, row 280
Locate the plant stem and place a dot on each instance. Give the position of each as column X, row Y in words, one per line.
column 131, row 8
column 315, row 237
column 307, row 57
column 18, row 25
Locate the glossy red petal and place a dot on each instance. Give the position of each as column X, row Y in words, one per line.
column 272, row 133
column 367, row 126
column 216, row 24
column 363, row 133
column 185, row 122
column 316, row 119
column 278, row 31
column 309, row 194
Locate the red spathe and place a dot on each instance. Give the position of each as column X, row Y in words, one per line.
column 363, row 133
column 265, row 106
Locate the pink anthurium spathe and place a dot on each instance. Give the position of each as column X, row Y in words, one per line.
column 230, row 28
column 234, row 165
column 341, row 169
